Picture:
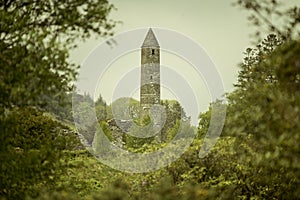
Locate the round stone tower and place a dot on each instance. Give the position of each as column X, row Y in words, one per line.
column 150, row 72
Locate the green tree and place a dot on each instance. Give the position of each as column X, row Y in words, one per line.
column 35, row 37
column 264, row 120
column 264, row 108
column 262, row 115
column 101, row 109
column 252, row 69
column 31, row 148
column 174, row 112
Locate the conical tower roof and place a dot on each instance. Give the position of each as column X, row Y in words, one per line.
column 150, row 40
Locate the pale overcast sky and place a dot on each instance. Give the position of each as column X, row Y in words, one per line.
column 218, row 27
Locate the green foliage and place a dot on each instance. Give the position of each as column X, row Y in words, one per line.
column 35, row 37
column 101, row 109
column 101, row 142
column 134, row 143
column 106, row 130
column 285, row 61
column 122, row 109
column 269, row 112
column 82, row 107
column 173, row 131
column 83, row 112
column 84, row 175
column 34, row 43
column 253, row 69
column 263, row 111
column 174, row 112
column 60, row 106
column 262, row 117
column 116, row 190
column 204, row 123
column 31, row 146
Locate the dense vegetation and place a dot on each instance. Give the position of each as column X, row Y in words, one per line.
column 257, row 156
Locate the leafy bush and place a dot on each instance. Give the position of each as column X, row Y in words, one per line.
column 31, row 148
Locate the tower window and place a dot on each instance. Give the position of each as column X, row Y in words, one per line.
column 151, row 78
column 153, row 51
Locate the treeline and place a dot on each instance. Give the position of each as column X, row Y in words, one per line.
column 124, row 116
